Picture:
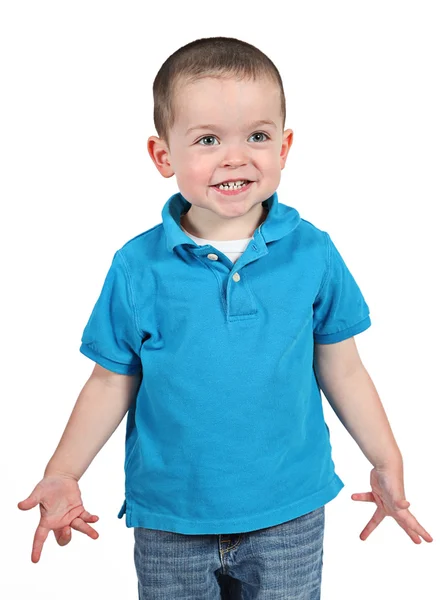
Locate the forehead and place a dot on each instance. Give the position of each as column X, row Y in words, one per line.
column 221, row 101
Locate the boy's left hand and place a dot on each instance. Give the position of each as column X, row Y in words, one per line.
column 388, row 493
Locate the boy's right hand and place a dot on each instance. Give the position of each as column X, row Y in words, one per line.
column 61, row 509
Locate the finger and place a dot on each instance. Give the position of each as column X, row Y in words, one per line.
column 413, row 528
column 39, row 539
column 364, row 497
column 30, row 502
column 376, row 519
column 411, row 534
column 89, row 518
column 416, row 539
column 63, row 536
column 82, row 526
column 425, row 535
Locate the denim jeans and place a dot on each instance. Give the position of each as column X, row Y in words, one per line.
column 283, row 562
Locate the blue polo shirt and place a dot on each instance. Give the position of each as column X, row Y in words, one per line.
column 227, row 433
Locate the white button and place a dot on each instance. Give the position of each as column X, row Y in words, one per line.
column 236, row 277
column 213, row 256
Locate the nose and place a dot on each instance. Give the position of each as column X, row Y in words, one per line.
column 236, row 159
column 234, row 163
column 235, row 156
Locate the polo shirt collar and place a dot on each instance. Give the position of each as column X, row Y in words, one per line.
column 281, row 220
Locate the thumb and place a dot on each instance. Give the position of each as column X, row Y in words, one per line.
column 401, row 504
column 30, row 502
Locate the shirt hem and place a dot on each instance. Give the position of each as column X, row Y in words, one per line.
column 120, row 368
column 330, row 338
column 135, row 517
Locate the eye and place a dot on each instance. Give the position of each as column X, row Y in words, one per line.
column 208, row 137
column 261, row 133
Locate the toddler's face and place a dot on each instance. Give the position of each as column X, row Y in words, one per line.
column 231, row 145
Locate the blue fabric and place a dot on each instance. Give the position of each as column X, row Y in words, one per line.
column 227, row 432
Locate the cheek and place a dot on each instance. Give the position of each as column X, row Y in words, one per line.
column 272, row 163
column 267, row 160
column 197, row 167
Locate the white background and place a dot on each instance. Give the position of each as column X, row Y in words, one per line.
column 366, row 96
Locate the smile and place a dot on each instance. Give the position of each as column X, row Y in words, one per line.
column 235, row 191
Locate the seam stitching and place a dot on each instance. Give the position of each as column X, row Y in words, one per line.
column 132, row 294
column 328, row 263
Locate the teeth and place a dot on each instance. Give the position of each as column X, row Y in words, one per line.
column 232, row 184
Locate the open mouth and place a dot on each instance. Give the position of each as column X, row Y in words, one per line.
column 232, row 189
column 232, row 182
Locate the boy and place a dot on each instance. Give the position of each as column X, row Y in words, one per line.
column 215, row 332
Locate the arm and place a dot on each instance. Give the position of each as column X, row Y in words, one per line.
column 352, row 395
column 103, row 402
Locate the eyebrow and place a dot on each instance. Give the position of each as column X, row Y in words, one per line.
column 216, row 127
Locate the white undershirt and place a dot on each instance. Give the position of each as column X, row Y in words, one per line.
column 232, row 248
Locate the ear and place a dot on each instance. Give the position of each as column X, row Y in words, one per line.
column 160, row 154
column 285, row 147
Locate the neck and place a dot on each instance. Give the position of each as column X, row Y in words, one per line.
column 221, row 231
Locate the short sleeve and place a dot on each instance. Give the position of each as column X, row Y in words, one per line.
column 340, row 311
column 111, row 337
